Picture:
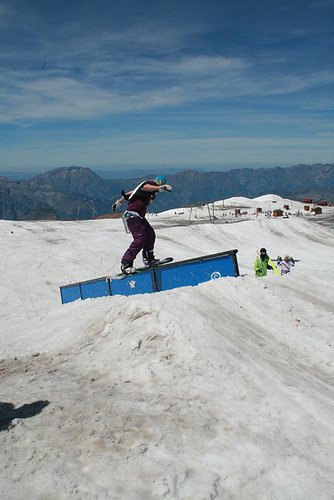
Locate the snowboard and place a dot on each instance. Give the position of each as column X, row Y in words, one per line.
column 159, row 263
column 276, row 271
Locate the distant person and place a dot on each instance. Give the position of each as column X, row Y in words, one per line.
column 142, row 232
column 286, row 264
column 261, row 264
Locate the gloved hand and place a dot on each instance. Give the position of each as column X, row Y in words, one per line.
column 165, row 187
column 116, row 205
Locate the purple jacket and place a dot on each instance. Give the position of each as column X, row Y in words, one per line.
column 141, row 199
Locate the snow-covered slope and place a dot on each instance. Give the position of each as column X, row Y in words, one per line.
column 218, row 391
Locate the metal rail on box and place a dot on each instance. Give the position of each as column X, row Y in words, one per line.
column 189, row 272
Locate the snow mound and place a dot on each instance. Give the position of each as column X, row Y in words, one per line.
column 220, row 390
column 237, row 200
column 268, row 198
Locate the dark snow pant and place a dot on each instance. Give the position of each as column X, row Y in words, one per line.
column 143, row 239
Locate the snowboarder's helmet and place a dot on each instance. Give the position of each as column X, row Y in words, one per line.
column 161, row 179
column 263, row 250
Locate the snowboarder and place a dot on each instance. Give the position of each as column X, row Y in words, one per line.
column 261, row 264
column 286, row 264
column 142, row 232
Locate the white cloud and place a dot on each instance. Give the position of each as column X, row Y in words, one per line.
column 67, row 98
column 31, row 95
column 71, row 75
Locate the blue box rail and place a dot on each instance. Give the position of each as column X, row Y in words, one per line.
column 189, row 272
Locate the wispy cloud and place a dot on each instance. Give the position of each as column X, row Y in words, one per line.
column 131, row 85
column 59, row 98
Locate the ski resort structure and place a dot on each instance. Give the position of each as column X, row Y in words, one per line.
column 189, row 272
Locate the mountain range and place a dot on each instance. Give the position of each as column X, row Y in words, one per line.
column 69, row 193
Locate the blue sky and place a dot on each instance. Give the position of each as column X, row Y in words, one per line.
column 190, row 84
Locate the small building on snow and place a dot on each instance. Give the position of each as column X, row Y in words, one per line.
column 277, row 213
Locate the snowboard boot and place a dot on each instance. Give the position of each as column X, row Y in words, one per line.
column 148, row 258
column 127, row 268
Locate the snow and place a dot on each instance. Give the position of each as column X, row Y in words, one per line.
column 224, row 390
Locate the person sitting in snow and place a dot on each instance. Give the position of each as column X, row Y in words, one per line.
column 142, row 232
column 286, row 264
column 261, row 264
